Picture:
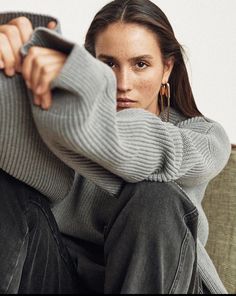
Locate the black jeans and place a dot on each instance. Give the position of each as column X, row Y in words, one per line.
column 33, row 258
column 149, row 245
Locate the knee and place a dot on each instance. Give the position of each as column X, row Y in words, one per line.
column 155, row 203
column 157, row 196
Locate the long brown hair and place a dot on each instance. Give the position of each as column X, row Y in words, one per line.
column 146, row 13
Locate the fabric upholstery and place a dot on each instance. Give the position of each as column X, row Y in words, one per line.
column 220, row 208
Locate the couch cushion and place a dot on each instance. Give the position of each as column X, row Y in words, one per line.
column 220, row 208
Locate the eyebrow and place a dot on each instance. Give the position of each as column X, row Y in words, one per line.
column 141, row 57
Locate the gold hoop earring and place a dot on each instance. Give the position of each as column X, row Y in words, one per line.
column 165, row 93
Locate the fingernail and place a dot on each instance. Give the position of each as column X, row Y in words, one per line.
column 44, row 106
column 1, row 65
column 36, row 101
column 39, row 90
column 52, row 25
column 28, row 84
column 10, row 71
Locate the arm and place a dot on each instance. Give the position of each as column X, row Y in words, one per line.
column 84, row 129
column 23, row 154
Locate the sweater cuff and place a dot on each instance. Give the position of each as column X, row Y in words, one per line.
column 43, row 37
column 82, row 73
column 37, row 20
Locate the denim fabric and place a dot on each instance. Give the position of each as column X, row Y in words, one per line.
column 33, row 258
column 149, row 245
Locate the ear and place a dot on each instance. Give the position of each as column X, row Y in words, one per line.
column 168, row 67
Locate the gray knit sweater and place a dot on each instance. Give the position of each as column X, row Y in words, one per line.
column 106, row 148
column 22, row 152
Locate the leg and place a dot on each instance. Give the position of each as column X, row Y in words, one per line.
column 89, row 258
column 33, row 258
column 150, row 243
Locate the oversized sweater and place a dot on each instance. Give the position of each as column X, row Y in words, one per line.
column 107, row 148
column 22, row 152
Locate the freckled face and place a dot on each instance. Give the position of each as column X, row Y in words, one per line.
column 132, row 51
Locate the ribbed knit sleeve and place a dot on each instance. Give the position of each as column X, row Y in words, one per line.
column 23, row 154
column 84, row 129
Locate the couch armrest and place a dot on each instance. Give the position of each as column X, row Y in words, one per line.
column 220, row 207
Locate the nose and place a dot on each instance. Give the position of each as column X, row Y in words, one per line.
column 124, row 80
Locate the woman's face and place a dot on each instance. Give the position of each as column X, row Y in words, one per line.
column 132, row 51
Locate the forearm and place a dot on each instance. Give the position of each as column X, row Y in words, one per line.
column 133, row 144
column 23, row 154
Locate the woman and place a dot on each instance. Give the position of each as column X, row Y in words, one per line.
column 142, row 152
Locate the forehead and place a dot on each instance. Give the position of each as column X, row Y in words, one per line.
column 127, row 40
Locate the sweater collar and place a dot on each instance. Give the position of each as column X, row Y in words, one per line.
column 175, row 116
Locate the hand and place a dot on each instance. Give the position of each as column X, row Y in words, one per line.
column 12, row 36
column 40, row 67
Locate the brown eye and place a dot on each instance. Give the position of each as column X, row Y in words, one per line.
column 110, row 64
column 141, row 65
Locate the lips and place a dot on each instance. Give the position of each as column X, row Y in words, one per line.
column 125, row 103
column 125, row 100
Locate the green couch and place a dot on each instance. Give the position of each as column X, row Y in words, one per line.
column 220, row 207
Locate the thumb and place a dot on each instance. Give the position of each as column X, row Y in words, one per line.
column 52, row 25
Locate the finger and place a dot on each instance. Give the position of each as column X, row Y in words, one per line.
column 25, row 27
column 37, row 100
column 42, row 69
column 46, row 59
column 45, row 80
column 1, row 62
column 46, row 100
column 7, row 55
column 14, row 39
column 35, row 73
column 1, row 65
column 27, row 69
column 52, row 25
column 44, row 51
column 28, row 64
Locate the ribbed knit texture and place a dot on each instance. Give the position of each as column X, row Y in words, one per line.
column 106, row 148
column 22, row 152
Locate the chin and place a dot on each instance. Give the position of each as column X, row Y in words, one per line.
column 121, row 109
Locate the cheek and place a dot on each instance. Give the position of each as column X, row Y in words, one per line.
column 150, row 86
